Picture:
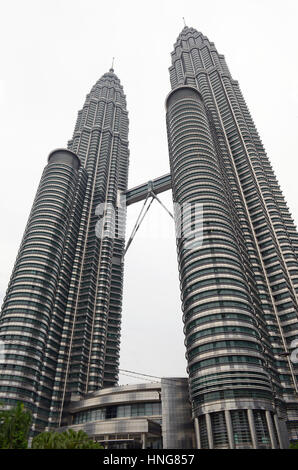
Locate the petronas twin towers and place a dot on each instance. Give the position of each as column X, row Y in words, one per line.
column 61, row 317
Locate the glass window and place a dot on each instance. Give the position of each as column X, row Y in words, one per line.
column 148, row 409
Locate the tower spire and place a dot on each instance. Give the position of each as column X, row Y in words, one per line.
column 112, row 66
column 184, row 21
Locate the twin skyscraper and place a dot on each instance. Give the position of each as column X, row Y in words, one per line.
column 61, row 316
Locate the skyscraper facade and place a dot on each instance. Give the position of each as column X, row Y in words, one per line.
column 61, row 316
column 239, row 289
column 60, row 320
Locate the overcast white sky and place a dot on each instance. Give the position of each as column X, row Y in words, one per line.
column 52, row 52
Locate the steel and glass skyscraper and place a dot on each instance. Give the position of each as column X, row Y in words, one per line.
column 61, row 317
column 239, row 289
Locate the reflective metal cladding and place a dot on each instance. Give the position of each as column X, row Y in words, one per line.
column 239, row 287
column 61, row 317
column 237, row 255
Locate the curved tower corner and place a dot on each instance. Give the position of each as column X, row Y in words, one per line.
column 32, row 313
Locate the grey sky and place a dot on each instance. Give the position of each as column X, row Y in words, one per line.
column 54, row 51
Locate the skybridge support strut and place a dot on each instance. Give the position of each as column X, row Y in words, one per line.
column 145, row 192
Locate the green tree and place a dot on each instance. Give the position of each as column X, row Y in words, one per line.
column 69, row 439
column 14, row 427
column 294, row 445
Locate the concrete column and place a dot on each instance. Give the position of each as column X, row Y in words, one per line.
column 209, row 431
column 252, row 428
column 144, row 441
column 229, row 429
column 281, row 446
column 271, row 430
column 197, row 432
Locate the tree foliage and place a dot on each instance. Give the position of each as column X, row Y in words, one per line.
column 69, row 439
column 14, row 427
column 294, row 445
